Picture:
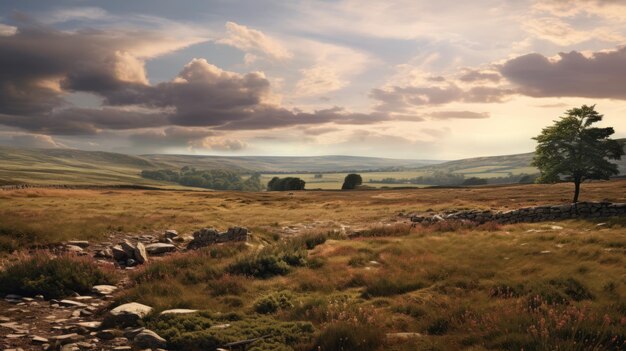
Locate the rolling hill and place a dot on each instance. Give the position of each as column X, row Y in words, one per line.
column 495, row 166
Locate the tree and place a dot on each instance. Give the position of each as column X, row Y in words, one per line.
column 573, row 151
column 351, row 181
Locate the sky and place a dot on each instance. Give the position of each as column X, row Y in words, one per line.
column 413, row 79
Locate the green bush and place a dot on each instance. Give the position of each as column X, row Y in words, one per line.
column 350, row 337
column 269, row 262
column 52, row 277
column 205, row 331
column 273, row 302
column 439, row 326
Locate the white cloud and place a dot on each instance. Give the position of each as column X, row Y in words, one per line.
column 254, row 41
column 6, row 30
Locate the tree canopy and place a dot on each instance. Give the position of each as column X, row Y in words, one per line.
column 572, row 150
column 351, row 181
column 283, row 184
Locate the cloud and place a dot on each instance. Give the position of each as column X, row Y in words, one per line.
column 598, row 75
column 178, row 138
column 250, row 40
column 459, row 115
column 7, row 31
column 76, row 13
column 402, row 99
column 560, row 32
column 473, row 75
column 319, row 80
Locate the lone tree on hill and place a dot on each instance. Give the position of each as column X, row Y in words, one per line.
column 351, row 181
column 573, row 151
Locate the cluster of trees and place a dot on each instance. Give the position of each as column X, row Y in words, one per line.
column 211, row 179
column 283, row 184
column 453, row 179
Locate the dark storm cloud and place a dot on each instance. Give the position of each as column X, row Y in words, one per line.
column 602, row 75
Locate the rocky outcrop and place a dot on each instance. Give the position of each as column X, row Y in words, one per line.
column 533, row 214
column 209, row 236
column 160, row 248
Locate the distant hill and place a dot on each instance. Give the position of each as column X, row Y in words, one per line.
column 76, row 167
column 494, row 166
column 288, row 164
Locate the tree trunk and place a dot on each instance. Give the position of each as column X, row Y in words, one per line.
column 576, row 190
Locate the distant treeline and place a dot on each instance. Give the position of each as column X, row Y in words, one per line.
column 282, row 184
column 210, row 179
column 449, row 179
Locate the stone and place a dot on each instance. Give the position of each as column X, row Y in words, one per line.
column 105, row 253
column 80, row 243
column 126, row 315
column 94, row 325
column 66, row 338
column 170, row 234
column 202, row 238
column 148, row 339
column 107, row 334
column 159, row 248
column 39, row 339
column 130, row 333
column 140, row 253
column 73, row 248
column 179, row 311
column 119, row 254
column 128, row 248
column 70, row 303
column 103, row 289
column 130, row 262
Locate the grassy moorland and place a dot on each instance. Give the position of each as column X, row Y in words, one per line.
column 541, row 286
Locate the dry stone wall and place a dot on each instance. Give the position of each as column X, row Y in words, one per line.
column 533, row 214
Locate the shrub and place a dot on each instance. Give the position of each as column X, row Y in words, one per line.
column 52, row 277
column 193, row 332
column 439, row 326
column 350, row 336
column 263, row 267
column 273, row 302
column 227, row 285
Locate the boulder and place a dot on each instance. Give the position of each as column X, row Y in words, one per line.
column 147, row 339
column 128, row 248
column 119, row 254
column 70, row 303
column 235, row 234
column 159, row 248
column 141, row 256
column 126, row 315
column 203, row 237
column 105, row 253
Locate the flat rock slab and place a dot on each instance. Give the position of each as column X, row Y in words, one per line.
column 70, row 303
column 148, row 339
column 160, row 248
column 104, row 289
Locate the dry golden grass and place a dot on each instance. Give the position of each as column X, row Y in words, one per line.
column 492, row 287
column 48, row 215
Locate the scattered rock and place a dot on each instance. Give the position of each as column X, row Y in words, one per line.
column 159, row 248
column 149, row 339
column 119, row 254
column 170, row 234
column 80, row 243
column 140, row 253
column 107, row 334
column 73, row 248
column 104, row 289
column 70, row 303
column 126, row 315
column 39, row 340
